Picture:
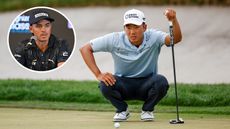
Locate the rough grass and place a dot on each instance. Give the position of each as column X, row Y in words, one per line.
column 200, row 95
column 210, row 95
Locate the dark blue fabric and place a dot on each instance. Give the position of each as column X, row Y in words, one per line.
column 148, row 89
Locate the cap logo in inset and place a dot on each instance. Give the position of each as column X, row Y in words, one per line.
column 41, row 14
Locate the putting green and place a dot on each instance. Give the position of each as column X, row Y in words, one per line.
column 13, row 118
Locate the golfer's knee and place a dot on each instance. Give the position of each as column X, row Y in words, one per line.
column 105, row 90
column 161, row 79
column 162, row 84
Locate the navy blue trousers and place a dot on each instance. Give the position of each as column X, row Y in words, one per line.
column 148, row 89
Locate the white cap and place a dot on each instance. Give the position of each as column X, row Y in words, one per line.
column 134, row 16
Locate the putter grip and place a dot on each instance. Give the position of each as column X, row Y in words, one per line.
column 170, row 23
column 171, row 33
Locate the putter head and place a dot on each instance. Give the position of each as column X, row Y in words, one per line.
column 177, row 121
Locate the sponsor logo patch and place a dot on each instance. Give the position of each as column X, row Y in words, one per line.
column 131, row 16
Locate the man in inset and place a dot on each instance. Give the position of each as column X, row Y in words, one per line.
column 135, row 53
column 43, row 51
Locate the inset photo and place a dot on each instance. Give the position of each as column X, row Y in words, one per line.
column 41, row 39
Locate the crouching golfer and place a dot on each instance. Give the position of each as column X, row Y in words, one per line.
column 135, row 53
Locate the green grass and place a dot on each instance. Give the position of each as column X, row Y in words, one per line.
column 87, row 92
column 12, row 118
column 224, row 110
column 200, row 95
column 24, row 4
column 62, row 91
column 85, row 95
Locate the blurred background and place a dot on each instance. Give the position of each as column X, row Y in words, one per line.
column 202, row 57
column 23, row 4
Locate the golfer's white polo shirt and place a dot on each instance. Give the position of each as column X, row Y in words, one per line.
column 130, row 61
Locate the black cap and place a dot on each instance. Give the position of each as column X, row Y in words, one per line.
column 38, row 15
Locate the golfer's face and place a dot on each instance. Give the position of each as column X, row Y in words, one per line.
column 135, row 33
column 42, row 30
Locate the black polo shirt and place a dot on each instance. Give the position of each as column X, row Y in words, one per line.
column 30, row 56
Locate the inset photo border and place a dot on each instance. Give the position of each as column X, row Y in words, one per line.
column 41, row 39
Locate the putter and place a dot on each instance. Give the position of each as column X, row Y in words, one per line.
column 178, row 120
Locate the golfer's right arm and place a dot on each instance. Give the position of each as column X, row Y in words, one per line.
column 87, row 54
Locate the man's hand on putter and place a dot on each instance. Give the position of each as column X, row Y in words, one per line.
column 107, row 78
column 170, row 14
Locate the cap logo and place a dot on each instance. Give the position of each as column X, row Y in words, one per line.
column 131, row 16
column 41, row 14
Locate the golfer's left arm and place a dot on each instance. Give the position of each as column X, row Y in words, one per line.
column 171, row 16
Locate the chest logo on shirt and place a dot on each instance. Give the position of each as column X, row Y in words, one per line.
column 65, row 53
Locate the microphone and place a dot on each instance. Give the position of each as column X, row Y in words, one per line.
column 30, row 42
column 33, row 38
